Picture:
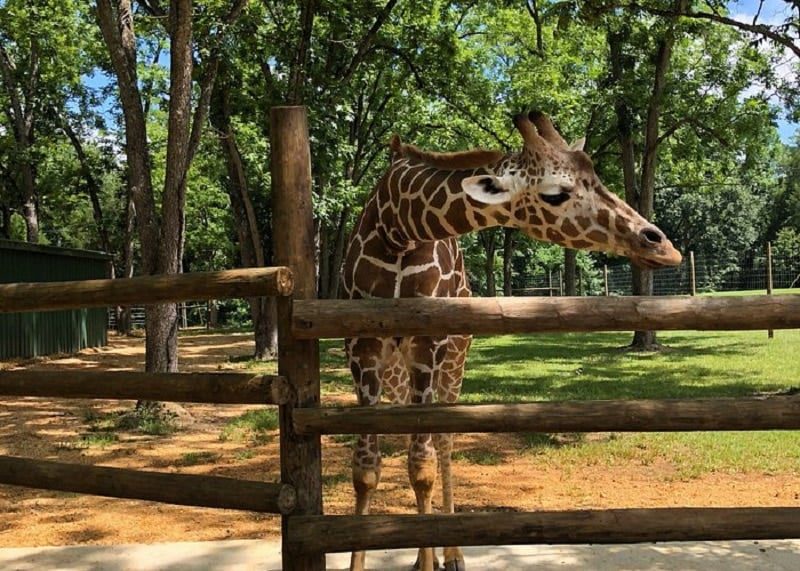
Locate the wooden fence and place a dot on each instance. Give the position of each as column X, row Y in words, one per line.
column 307, row 534
column 221, row 388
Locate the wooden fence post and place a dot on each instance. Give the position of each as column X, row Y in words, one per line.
column 298, row 361
column 770, row 332
column 692, row 275
column 605, row 279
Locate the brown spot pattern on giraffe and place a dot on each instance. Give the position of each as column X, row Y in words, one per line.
column 555, row 236
column 603, row 218
column 597, row 237
column 569, row 229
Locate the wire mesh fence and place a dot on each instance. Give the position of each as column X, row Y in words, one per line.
column 710, row 275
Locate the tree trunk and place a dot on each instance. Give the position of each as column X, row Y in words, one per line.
column 338, row 253
column 298, row 71
column 262, row 310
column 487, row 239
column 124, row 322
column 93, row 186
column 324, row 262
column 5, row 221
column 508, row 253
column 643, row 285
column 570, row 272
column 30, row 209
column 641, row 197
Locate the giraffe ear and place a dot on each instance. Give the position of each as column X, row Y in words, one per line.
column 487, row 189
column 578, row 144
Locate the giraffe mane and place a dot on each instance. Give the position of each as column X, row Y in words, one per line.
column 471, row 159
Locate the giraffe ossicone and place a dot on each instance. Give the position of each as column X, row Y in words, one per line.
column 405, row 245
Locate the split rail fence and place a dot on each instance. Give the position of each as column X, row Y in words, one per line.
column 307, row 534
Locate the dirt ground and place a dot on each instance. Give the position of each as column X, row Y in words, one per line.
column 52, row 429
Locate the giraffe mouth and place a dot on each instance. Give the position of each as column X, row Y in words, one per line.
column 650, row 264
column 658, row 261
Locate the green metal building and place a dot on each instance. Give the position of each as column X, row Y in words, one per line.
column 34, row 334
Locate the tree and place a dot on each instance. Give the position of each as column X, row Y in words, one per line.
column 641, row 193
column 251, row 247
column 161, row 231
column 40, row 63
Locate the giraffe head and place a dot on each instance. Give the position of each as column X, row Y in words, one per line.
column 553, row 194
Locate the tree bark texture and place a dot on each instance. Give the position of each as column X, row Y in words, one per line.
column 489, row 242
column 570, row 272
column 508, row 254
column 161, row 234
column 641, row 196
column 262, row 310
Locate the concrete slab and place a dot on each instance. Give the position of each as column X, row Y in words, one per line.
column 265, row 555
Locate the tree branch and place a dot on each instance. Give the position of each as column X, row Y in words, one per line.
column 754, row 28
column 533, row 10
column 367, row 41
column 297, row 75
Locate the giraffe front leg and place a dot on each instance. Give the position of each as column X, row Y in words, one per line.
column 366, row 357
column 423, row 358
column 453, row 556
column 366, row 477
column 447, row 391
column 422, row 474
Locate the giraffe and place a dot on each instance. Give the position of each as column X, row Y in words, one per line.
column 405, row 244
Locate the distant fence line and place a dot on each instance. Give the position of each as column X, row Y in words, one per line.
column 710, row 275
column 193, row 314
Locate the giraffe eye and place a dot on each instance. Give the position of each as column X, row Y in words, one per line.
column 555, row 199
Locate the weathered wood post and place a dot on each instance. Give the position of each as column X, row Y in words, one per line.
column 605, row 279
column 770, row 332
column 692, row 275
column 298, row 361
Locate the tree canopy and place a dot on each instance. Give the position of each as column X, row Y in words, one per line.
column 141, row 127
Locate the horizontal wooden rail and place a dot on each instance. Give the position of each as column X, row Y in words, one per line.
column 670, row 415
column 220, row 388
column 182, row 489
column 328, row 534
column 47, row 296
column 319, row 319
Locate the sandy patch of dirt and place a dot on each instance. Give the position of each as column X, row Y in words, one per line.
column 52, row 429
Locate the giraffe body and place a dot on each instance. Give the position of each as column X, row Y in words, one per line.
column 405, row 245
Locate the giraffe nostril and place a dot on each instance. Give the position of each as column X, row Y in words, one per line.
column 653, row 236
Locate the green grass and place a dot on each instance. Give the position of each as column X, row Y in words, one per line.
column 197, row 458
column 97, row 439
column 151, row 420
column 479, row 456
column 333, row 367
column 253, row 426
column 244, row 455
column 146, row 420
column 779, row 291
column 519, row 368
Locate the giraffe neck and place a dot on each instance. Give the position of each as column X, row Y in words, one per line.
column 419, row 203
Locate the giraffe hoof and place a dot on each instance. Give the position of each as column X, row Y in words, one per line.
column 435, row 564
column 455, row 565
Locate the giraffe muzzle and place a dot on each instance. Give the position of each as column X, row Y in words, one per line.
column 655, row 250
